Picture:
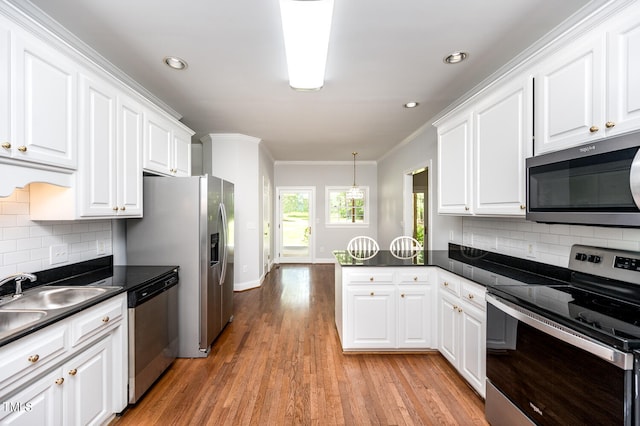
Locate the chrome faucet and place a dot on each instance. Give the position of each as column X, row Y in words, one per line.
column 18, row 278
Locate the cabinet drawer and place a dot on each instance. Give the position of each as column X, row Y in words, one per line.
column 370, row 277
column 414, row 277
column 96, row 319
column 449, row 283
column 30, row 353
column 474, row 294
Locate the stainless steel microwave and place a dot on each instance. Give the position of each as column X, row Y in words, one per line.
column 595, row 184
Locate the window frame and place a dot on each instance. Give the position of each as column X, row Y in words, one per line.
column 332, row 189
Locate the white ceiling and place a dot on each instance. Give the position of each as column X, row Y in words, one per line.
column 382, row 54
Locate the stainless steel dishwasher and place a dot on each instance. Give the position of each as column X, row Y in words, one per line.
column 153, row 332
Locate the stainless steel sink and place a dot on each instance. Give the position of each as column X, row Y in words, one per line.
column 54, row 298
column 11, row 321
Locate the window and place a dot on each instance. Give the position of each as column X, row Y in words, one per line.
column 343, row 212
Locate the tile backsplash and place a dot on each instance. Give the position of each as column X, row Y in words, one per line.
column 547, row 243
column 26, row 245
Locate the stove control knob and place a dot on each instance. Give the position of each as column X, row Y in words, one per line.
column 581, row 256
column 594, row 259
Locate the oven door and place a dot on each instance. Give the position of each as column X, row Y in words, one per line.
column 597, row 183
column 541, row 371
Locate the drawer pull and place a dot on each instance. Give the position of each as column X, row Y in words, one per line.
column 73, row 372
column 455, row 307
column 415, row 278
column 6, row 145
column 459, row 309
column 34, row 358
column 59, row 381
column 610, row 124
column 371, row 279
column 22, row 148
column 402, row 295
column 446, row 284
column 470, row 296
column 115, row 208
column 594, row 129
column 123, row 208
column 372, row 293
column 105, row 319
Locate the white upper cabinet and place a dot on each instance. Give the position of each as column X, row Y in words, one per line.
column 167, row 147
column 110, row 172
column 5, row 90
column 569, row 95
column 482, row 151
column 454, row 164
column 589, row 89
column 502, row 140
column 44, row 103
column 623, row 107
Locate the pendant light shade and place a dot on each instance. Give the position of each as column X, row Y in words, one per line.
column 355, row 193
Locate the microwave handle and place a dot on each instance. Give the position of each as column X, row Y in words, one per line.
column 634, row 179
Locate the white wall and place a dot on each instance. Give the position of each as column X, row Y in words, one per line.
column 320, row 174
column 416, row 152
column 24, row 244
column 240, row 159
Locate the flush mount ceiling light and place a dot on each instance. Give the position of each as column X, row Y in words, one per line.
column 355, row 193
column 175, row 62
column 412, row 104
column 455, row 57
column 306, row 25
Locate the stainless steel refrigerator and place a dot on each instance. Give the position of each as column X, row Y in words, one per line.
column 188, row 221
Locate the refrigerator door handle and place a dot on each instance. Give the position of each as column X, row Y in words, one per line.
column 223, row 270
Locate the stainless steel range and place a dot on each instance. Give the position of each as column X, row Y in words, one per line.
column 567, row 354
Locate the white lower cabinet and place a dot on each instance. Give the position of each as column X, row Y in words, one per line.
column 462, row 327
column 385, row 308
column 84, row 384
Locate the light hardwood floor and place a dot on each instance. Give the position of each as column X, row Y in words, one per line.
column 280, row 363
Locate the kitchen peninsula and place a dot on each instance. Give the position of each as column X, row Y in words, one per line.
column 434, row 301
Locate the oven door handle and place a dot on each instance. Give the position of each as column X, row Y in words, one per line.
column 618, row 358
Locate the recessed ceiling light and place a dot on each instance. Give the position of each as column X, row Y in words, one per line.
column 455, row 57
column 175, row 62
column 412, row 104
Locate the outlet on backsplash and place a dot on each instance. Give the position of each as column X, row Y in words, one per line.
column 58, row 253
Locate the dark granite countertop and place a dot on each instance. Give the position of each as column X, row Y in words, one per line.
column 481, row 266
column 95, row 272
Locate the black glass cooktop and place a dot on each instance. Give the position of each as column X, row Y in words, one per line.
column 608, row 319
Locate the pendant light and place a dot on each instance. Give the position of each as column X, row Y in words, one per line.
column 355, row 193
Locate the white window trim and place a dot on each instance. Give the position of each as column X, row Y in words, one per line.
column 327, row 207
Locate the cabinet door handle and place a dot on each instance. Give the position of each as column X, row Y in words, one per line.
column 594, row 129
column 123, row 208
column 455, row 307
column 402, row 295
column 466, row 208
column 415, row 278
column 446, row 284
column 105, row 319
column 522, row 207
column 115, row 208
column 372, row 294
column 459, row 309
column 610, row 124
column 371, row 279
column 34, row 358
column 22, row 148
column 73, row 372
column 6, row 145
column 59, row 381
column 470, row 296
